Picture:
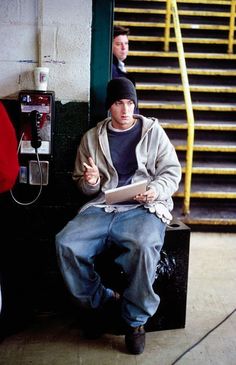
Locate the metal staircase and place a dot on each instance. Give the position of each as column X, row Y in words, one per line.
column 207, row 28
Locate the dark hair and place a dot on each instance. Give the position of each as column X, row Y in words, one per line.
column 118, row 30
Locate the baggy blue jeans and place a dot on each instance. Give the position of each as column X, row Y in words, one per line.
column 140, row 235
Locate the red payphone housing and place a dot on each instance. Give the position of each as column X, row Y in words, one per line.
column 43, row 102
column 37, row 110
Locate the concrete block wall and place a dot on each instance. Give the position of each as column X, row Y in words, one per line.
column 51, row 33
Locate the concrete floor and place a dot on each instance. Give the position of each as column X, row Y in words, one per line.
column 211, row 297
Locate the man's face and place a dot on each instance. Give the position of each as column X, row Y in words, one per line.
column 120, row 47
column 122, row 114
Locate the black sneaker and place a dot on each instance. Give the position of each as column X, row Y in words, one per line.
column 135, row 339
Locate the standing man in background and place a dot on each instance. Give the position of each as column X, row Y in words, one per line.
column 120, row 49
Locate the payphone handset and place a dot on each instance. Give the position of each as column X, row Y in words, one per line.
column 36, row 139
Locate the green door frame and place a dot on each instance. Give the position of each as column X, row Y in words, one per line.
column 101, row 56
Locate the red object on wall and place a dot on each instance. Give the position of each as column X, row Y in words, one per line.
column 9, row 164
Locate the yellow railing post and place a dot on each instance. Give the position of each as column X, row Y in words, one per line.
column 231, row 26
column 167, row 26
column 189, row 109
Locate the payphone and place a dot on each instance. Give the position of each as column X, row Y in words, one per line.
column 35, row 131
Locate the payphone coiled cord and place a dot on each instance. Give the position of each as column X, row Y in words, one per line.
column 40, row 173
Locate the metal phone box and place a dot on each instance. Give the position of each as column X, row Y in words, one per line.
column 44, row 103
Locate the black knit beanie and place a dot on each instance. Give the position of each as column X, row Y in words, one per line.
column 120, row 88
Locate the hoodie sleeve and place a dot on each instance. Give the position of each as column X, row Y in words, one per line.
column 84, row 151
column 167, row 168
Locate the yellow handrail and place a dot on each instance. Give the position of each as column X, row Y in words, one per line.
column 167, row 26
column 231, row 26
column 189, row 109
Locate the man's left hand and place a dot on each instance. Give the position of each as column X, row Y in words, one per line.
column 148, row 197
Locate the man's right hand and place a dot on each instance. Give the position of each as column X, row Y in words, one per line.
column 91, row 173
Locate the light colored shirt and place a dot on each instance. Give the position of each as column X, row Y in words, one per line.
column 121, row 66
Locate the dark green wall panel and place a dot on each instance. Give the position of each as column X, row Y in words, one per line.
column 100, row 57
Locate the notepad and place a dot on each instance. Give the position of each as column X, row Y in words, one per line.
column 125, row 193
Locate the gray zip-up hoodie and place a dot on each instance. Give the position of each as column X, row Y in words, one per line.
column 156, row 158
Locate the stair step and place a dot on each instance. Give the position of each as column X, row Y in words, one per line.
column 213, row 2
column 193, row 88
column 194, row 40
column 205, row 216
column 210, row 191
column 206, row 125
column 155, row 104
column 210, row 212
column 220, row 168
column 184, row 25
column 175, row 70
column 203, row 194
column 208, row 146
column 195, row 55
column 207, row 221
column 198, row 13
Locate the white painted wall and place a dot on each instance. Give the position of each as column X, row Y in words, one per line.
column 57, row 30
